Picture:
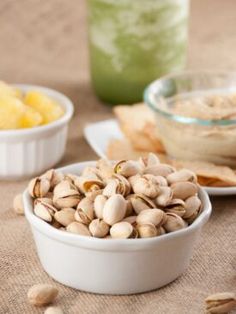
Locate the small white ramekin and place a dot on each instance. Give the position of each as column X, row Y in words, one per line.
column 113, row 266
column 27, row 152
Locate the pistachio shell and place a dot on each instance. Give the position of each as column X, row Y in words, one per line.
column 18, row 205
column 176, row 206
column 89, row 184
column 182, row 175
column 184, row 190
column 159, row 170
column 220, row 303
column 192, row 205
column 127, row 168
column 164, row 196
column 152, row 160
column 65, row 195
column 99, row 203
column 146, row 187
column 131, row 220
column 42, row 294
column 86, row 205
column 99, row 228
column 173, row 222
column 93, row 194
column 121, row 230
column 54, row 177
column 129, row 208
column 154, row 216
column 106, row 168
column 67, row 201
column 39, row 187
column 65, row 216
column 42, row 212
column 79, row 228
column 160, row 231
column 147, row 230
column 114, row 186
column 53, row 310
column 140, row 202
column 114, row 209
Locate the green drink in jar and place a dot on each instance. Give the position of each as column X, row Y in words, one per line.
column 133, row 42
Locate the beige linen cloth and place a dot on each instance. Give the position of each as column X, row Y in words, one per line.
column 44, row 42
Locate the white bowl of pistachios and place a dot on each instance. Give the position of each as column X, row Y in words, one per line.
column 116, row 228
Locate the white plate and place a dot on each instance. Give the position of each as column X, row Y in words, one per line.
column 100, row 133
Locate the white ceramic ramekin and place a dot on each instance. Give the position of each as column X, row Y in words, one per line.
column 27, row 152
column 113, row 266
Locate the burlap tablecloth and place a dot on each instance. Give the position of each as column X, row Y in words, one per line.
column 44, row 42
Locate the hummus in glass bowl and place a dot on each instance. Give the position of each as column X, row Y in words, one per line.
column 196, row 115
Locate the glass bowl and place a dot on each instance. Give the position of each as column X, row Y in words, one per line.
column 189, row 128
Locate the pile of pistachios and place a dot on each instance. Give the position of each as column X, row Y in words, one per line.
column 128, row 199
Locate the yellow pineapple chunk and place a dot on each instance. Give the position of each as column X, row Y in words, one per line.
column 49, row 109
column 7, row 90
column 30, row 118
column 11, row 111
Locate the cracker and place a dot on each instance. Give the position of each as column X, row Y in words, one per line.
column 122, row 149
column 138, row 124
column 209, row 174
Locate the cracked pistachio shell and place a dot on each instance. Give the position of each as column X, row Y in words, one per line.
column 182, row 176
column 54, row 177
column 150, row 160
column 125, row 185
column 64, row 189
column 114, row 209
column 39, row 187
column 176, row 206
column 164, row 196
column 223, row 302
column 115, row 186
column 122, row 230
column 127, row 168
column 154, row 216
column 105, row 168
column 93, row 194
column 99, row 203
column 44, row 210
column 140, row 202
column 91, row 172
column 131, row 220
column 129, row 208
column 78, row 228
column 42, row 294
column 89, row 184
column 65, row 216
column 18, row 205
column 112, row 187
column 146, row 187
column 147, row 230
column 192, row 206
column 158, row 180
column 99, row 228
column 173, row 222
column 184, row 190
column 67, row 201
column 159, row 170
column 86, row 205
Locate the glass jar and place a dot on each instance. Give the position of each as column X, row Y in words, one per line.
column 133, row 42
